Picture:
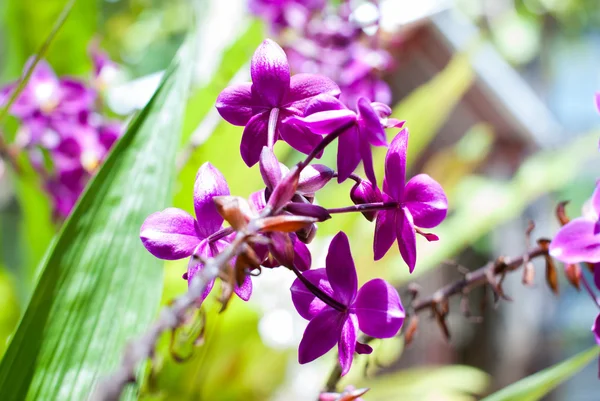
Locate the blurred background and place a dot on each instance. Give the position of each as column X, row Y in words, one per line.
column 499, row 99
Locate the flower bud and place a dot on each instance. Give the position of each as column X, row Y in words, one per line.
column 308, row 209
column 269, row 168
column 307, row 234
column 364, row 192
column 313, row 178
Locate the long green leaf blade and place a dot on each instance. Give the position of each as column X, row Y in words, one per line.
column 534, row 387
column 99, row 286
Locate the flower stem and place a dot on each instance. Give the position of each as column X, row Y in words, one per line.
column 273, row 118
column 326, row 141
column 357, row 179
column 365, row 207
column 318, row 293
column 589, row 290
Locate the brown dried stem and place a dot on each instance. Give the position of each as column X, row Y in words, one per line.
column 438, row 302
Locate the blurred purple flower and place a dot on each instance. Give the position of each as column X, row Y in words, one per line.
column 280, row 14
column 105, row 69
column 174, row 234
column 47, row 96
column 272, row 96
column 421, row 203
column 375, row 309
column 326, row 114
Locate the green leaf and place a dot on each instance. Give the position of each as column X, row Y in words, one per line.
column 36, row 226
column 99, row 286
column 534, row 387
column 28, row 23
column 452, row 383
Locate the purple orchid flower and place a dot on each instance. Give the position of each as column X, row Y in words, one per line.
column 375, row 309
column 174, row 234
column 326, row 114
column 312, row 178
column 263, row 105
column 48, row 96
column 421, row 202
column 579, row 240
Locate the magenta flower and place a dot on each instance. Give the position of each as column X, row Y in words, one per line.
column 263, row 105
column 48, row 96
column 174, row 234
column 326, row 114
column 341, row 310
column 421, row 203
column 281, row 14
column 579, row 240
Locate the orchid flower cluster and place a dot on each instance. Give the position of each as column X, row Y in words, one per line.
column 329, row 40
column 578, row 241
column 61, row 122
column 277, row 222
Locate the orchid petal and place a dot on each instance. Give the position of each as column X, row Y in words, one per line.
column 595, row 201
column 575, row 242
column 235, row 104
column 367, row 159
column 302, row 256
column 596, row 329
column 370, row 125
column 245, row 290
column 254, row 138
column 169, row 234
column 270, row 73
column 75, row 96
column 425, row 199
column 324, row 103
column 321, row 334
column 385, row 232
column 347, row 344
column 325, row 122
column 379, row 309
column 204, row 250
column 407, row 239
column 348, row 156
column 305, row 302
column 304, row 87
column 395, row 166
column 340, row 269
column 299, row 137
column 257, row 199
column 209, row 183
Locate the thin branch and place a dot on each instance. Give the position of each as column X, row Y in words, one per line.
column 171, row 317
column 142, row 348
column 477, row 278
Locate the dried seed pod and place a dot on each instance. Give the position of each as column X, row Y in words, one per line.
column 551, row 274
column 235, row 210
